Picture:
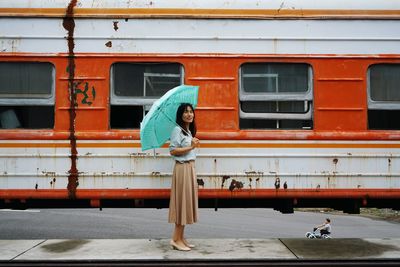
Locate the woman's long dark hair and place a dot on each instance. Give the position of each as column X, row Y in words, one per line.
column 179, row 120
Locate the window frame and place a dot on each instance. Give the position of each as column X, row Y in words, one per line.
column 137, row 100
column 145, row 102
column 306, row 96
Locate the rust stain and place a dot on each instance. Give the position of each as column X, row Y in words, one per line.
column 115, row 23
column 277, row 183
column 53, row 183
column 69, row 25
column 200, row 182
column 224, row 178
column 235, row 185
column 108, row 44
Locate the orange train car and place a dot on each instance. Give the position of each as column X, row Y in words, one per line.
column 298, row 102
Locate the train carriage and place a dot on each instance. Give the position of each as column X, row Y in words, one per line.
column 299, row 101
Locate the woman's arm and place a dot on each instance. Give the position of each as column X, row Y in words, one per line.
column 183, row 150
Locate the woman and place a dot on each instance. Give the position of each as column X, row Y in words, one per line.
column 183, row 203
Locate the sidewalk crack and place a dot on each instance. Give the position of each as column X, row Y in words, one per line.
column 294, row 254
column 38, row 244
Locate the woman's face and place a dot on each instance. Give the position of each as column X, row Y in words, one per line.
column 188, row 115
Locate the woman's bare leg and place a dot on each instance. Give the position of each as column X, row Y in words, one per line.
column 177, row 237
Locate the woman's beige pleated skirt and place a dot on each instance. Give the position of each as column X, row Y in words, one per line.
column 183, row 204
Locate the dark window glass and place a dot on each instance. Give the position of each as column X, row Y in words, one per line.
column 275, row 78
column 145, row 79
column 26, row 95
column 27, row 117
column 385, row 82
column 274, row 107
column 384, row 119
column 126, row 117
column 26, row 80
column 384, row 97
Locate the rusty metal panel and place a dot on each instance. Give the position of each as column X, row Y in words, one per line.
column 230, row 168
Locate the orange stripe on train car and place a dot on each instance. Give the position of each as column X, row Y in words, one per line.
column 205, row 145
column 380, row 193
column 202, row 13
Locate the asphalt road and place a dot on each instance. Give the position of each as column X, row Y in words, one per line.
column 152, row 224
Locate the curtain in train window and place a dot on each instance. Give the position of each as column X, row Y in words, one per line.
column 275, row 96
column 26, row 95
column 384, row 97
column 135, row 87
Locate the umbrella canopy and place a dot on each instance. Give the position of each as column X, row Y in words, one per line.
column 156, row 127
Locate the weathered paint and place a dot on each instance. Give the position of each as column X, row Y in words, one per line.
column 255, row 27
column 222, row 36
column 338, row 158
column 223, row 165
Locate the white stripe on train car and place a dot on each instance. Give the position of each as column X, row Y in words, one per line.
column 302, row 164
column 163, row 36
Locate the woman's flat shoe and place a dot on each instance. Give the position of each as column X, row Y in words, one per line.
column 177, row 247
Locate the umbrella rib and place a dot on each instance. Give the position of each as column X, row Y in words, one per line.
column 155, row 129
column 173, row 121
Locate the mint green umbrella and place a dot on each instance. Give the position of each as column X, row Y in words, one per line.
column 156, row 127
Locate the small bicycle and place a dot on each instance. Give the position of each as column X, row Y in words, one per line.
column 314, row 235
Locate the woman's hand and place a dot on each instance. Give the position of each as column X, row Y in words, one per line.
column 195, row 142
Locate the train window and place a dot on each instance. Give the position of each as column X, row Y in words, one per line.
column 135, row 87
column 275, row 96
column 26, row 95
column 384, row 97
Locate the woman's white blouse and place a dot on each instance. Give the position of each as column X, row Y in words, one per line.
column 178, row 139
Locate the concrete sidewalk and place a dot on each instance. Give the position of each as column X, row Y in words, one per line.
column 213, row 249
